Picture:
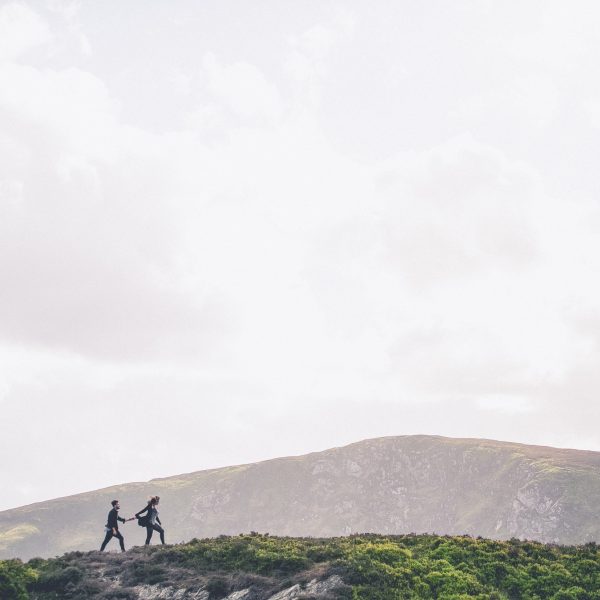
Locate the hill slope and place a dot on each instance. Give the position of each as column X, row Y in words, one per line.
column 357, row 567
column 389, row 485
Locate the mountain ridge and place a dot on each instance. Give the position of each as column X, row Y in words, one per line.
column 388, row 485
column 481, row 441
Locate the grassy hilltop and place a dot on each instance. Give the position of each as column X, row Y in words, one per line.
column 369, row 567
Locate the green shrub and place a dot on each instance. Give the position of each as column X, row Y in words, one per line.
column 57, row 577
column 145, row 572
column 15, row 577
column 573, row 593
column 374, row 567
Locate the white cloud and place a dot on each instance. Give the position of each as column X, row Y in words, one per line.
column 183, row 230
column 513, row 405
column 69, row 107
column 21, row 29
column 556, row 37
column 69, row 11
column 455, row 210
column 11, row 192
column 4, row 391
column 592, row 108
column 90, row 218
column 525, row 98
column 309, row 55
column 243, row 89
column 320, row 40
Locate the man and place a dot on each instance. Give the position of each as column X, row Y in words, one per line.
column 112, row 526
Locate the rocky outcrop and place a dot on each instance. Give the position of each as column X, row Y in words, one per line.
column 156, row 592
column 314, row 589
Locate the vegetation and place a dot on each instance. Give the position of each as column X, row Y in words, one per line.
column 15, row 578
column 373, row 567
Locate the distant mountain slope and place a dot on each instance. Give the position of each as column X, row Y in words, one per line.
column 389, row 485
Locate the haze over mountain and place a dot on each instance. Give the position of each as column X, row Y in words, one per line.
column 387, row 485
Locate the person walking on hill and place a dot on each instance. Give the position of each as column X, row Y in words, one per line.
column 151, row 521
column 112, row 526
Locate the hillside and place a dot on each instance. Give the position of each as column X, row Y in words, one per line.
column 395, row 485
column 363, row 567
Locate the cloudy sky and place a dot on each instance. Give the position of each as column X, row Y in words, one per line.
column 231, row 231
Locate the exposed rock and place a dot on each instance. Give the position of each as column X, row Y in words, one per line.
column 313, row 589
column 157, row 592
column 289, row 594
column 238, row 595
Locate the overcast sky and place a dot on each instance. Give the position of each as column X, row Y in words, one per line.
column 236, row 230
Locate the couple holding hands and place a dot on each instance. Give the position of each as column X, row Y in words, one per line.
column 150, row 521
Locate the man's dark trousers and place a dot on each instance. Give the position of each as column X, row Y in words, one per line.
column 109, row 535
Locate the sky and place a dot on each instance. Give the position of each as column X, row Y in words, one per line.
column 231, row 231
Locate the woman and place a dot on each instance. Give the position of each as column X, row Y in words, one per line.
column 152, row 521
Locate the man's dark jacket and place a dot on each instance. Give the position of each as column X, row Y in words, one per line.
column 113, row 518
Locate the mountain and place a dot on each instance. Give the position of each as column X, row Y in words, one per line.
column 393, row 485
